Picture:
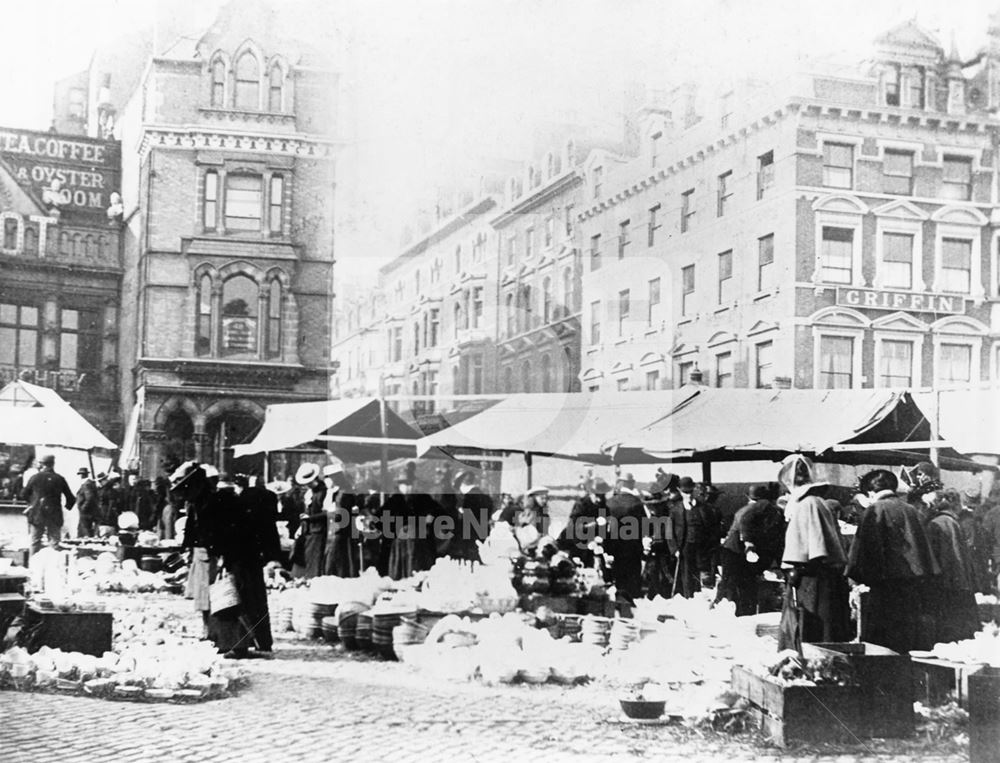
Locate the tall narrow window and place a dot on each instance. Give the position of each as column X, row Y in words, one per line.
column 897, row 172
column 763, row 365
column 956, row 265
column 624, row 308
column 838, row 165
column 218, row 85
column 765, row 173
column 18, row 337
column 837, row 255
column 654, row 223
column 687, row 288
column 597, row 180
column 511, row 315
column 434, row 327
column 687, row 210
column 477, row 307
column 10, row 233
column 203, row 340
column 274, row 89
column 546, row 373
column 892, row 77
column 79, row 341
column 568, row 212
column 550, row 230
column 243, row 202
column 897, row 260
column 654, row 299
column 652, row 380
column 595, row 252
column 274, row 319
column 31, row 241
column 247, row 83
column 595, row 322
column 567, row 291
column 547, row 300
column 836, row 362
column 954, row 364
column 623, row 241
column 239, row 316
column 511, row 250
column 957, row 178
column 211, row 200
column 765, row 262
column 529, row 242
column 896, row 364
column 526, row 376
column 725, row 193
column 725, row 277
column 275, row 203
column 724, row 369
column 654, row 149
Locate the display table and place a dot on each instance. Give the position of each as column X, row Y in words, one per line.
column 935, row 679
column 87, row 632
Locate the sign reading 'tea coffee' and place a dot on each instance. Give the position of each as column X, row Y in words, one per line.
column 73, row 173
column 881, row 299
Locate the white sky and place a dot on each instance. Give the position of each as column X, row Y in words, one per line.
column 446, row 80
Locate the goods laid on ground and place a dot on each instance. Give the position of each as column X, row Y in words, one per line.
column 179, row 671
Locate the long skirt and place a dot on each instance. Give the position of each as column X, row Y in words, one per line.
column 315, row 547
column 200, row 575
column 341, row 554
column 896, row 616
column 738, row 582
column 817, row 610
column 255, row 618
column 955, row 612
column 409, row 554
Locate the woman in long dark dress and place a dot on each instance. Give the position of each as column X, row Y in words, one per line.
column 951, row 596
column 410, row 517
column 313, row 527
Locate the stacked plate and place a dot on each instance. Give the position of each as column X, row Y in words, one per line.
column 624, row 633
column 283, row 619
column 571, row 626
column 346, row 628
column 383, row 624
column 307, row 617
column 328, row 627
column 408, row 633
column 363, row 631
column 595, row 630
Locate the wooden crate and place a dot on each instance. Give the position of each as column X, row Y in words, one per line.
column 801, row 713
column 885, row 681
column 87, row 632
column 984, row 715
column 934, row 680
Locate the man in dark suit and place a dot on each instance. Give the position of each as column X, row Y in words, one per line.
column 624, row 542
column 43, row 493
column 88, row 505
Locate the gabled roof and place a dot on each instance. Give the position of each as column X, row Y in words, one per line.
column 909, row 34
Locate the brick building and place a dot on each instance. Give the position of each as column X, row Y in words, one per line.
column 838, row 229
column 61, row 271
column 227, row 227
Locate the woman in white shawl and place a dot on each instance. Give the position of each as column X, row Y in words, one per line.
column 816, row 606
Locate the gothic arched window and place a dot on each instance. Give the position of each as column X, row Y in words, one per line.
column 218, row 100
column 203, row 336
column 274, row 319
column 247, row 82
column 275, row 87
column 239, row 316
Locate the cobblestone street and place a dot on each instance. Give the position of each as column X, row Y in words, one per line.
column 311, row 703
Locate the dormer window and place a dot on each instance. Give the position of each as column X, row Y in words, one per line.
column 892, row 86
column 218, row 84
column 247, row 83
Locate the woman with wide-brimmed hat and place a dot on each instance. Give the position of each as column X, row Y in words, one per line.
column 312, row 531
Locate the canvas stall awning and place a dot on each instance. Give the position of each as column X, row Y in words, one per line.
column 561, row 425
column 349, row 428
column 968, row 419
column 838, row 426
column 33, row 415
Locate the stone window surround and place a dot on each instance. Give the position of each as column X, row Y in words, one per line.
column 890, row 218
column 960, row 330
column 839, row 218
column 949, row 226
column 267, row 171
column 265, row 66
column 914, row 333
column 852, row 324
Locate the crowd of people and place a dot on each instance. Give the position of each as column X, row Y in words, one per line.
column 921, row 550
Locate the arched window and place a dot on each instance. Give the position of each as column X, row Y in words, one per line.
column 239, row 316
column 458, row 317
column 247, row 82
column 65, row 244
column 546, row 373
column 78, row 245
column 218, row 84
column 567, row 290
column 275, row 83
column 203, row 338
column 511, row 315
column 526, row 376
column 89, row 247
column 104, row 246
column 274, row 319
column 30, row 240
column 547, row 300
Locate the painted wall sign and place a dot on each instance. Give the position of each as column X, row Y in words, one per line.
column 72, row 174
column 881, row 299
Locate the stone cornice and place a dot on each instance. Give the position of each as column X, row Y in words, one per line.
column 237, row 115
column 199, row 137
column 538, row 196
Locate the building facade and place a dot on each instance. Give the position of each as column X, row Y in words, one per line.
column 61, row 269
column 837, row 231
column 227, row 233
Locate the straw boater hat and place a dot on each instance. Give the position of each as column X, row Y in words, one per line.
column 307, row 473
column 279, row 487
column 540, row 490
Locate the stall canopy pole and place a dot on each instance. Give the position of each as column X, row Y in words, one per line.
column 706, row 472
column 527, row 463
column 383, row 461
column 935, row 422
